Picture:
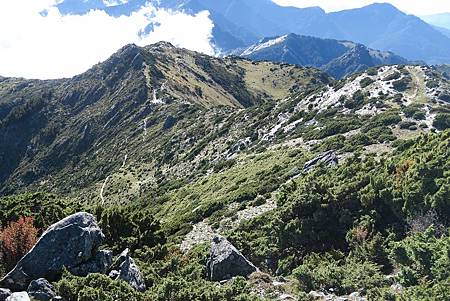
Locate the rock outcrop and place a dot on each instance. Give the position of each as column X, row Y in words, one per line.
column 4, row 293
column 124, row 268
column 328, row 158
column 21, row 296
column 355, row 296
column 225, row 261
column 69, row 243
column 101, row 263
column 41, row 290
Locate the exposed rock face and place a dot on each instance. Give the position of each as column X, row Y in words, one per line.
column 329, row 158
column 225, row 261
column 41, row 290
column 125, row 269
column 68, row 243
column 22, row 296
column 101, row 263
column 356, row 296
column 4, row 293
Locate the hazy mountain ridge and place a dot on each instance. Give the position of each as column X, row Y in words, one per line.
column 337, row 58
column 242, row 23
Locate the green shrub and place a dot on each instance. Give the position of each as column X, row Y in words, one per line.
column 419, row 115
column 430, row 291
column 383, row 119
column 372, row 71
column 414, row 112
column 44, row 208
column 95, row 287
column 129, row 227
column 334, row 271
column 393, row 76
column 402, row 85
column 224, row 164
column 357, row 101
column 442, row 121
column 422, row 258
column 365, row 82
column 407, row 124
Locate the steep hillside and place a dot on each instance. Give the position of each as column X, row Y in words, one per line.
column 332, row 189
column 151, row 115
column 152, row 105
column 337, row 58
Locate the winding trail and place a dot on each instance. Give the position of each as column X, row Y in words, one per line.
column 418, row 95
column 124, row 160
column 102, row 189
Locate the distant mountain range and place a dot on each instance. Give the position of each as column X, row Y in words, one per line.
column 337, row 58
column 240, row 23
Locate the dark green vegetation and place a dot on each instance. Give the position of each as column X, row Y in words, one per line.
column 344, row 228
column 158, row 141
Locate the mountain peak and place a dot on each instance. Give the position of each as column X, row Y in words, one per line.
column 337, row 58
column 161, row 45
column 383, row 7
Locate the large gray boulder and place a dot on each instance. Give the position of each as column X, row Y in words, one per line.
column 100, row 263
column 225, row 261
column 328, row 158
column 68, row 243
column 21, row 296
column 41, row 290
column 4, row 293
column 124, row 268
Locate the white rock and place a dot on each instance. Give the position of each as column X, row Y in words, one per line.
column 22, row 296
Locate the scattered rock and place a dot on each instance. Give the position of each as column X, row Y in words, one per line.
column 201, row 232
column 125, row 269
column 41, row 290
column 317, row 295
column 396, row 288
column 286, row 297
column 101, row 263
column 22, row 296
column 329, row 158
column 225, row 261
column 356, row 296
column 4, row 293
column 68, row 243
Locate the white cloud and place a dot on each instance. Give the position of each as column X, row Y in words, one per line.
column 417, row 7
column 114, row 2
column 53, row 46
column 192, row 32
